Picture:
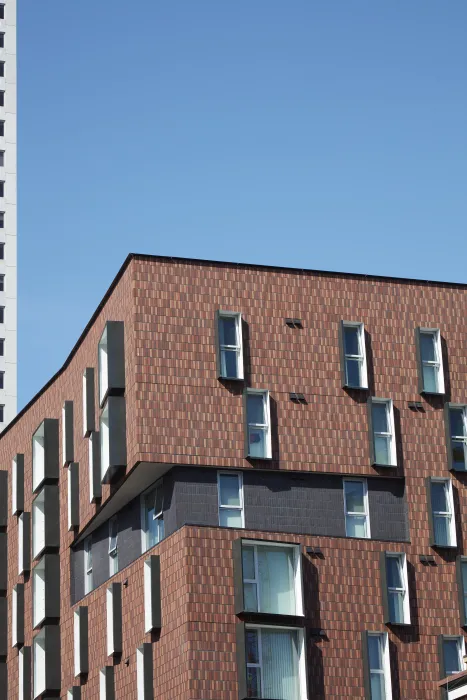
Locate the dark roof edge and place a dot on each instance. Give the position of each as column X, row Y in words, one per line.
column 201, row 261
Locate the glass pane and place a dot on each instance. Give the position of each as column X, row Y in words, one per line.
column 255, row 409
column 228, row 330
column 280, row 664
column 355, row 526
column 229, row 365
column 253, row 682
column 394, row 572
column 250, row 597
column 382, row 451
column 351, row 338
column 427, row 347
column 257, row 442
column 451, row 656
column 458, row 454
column 375, row 652
column 430, row 378
column 276, row 579
column 439, row 499
column 442, row 534
column 380, row 418
column 378, row 691
column 457, row 422
column 396, row 606
column 353, row 368
column 252, row 653
column 354, row 497
column 229, row 490
column 248, row 560
column 230, row 517
column 464, row 576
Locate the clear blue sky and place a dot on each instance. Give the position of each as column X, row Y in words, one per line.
column 323, row 134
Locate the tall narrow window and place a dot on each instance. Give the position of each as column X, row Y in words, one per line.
column 431, row 362
column 458, row 437
column 88, row 584
column 453, row 652
column 230, row 490
column 396, row 581
column 2, row 69
column 379, row 666
column 355, row 365
column 274, row 663
column 230, row 345
column 2, row 283
column 2, row 98
column 2, row 213
column 2, row 412
column 258, row 431
column 113, row 545
column 2, row 380
column 461, row 566
column 383, row 442
column 2, row 188
column 357, row 519
column 2, row 159
column 152, row 515
column 2, row 249
column 442, row 512
column 2, row 11
column 2, row 40
column 2, row 347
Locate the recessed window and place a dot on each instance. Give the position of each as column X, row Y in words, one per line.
column 89, row 411
column 355, row 366
column 258, row 429
column 398, row 612
column 113, row 545
column 17, row 484
column 357, row 517
column 24, row 543
column 152, row 593
column 2, row 40
column 39, row 592
column 38, row 456
column 46, row 661
column 2, row 283
column 230, row 345
column 431, row 375
column 39, row 663
column 2, row 69
column 462, row 584
column 457, row 437
column 275, row 663
column 379, row 667
column 17, row 615
column 2, row 188
column 45, row 520
column 2, row 213
column 2, row 380
column 2, row 413
column 2, row 98
column 272, row 581
column 2, row 11
column 144, row 673
column 38, row 524
column 88, row 584
column 80, row 640
column 442, row 512
column 112, row 437
column 24, row 673
column 383, row 442
column 106, row 683
column 111, row 358
column 95, row 487
column 453, row 652
column 2, row 347
column 2, row 159
column 152, row 515
column 2, row 316
column 230, row 490
column 2, row 251
column 114, row 619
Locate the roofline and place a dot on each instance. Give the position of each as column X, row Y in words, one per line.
column 221, row 263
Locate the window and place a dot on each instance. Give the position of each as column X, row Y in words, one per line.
column 39, row 592
column 24, row 542
column 2, row 40
column 2, row 316
column 230, row 490
column 230, row 345
column 17, row 484
column 144, row 673
column 2, row 11
column 106, row 683
column 442, row 510
column 2, row 99
column 2, row 283
column 431, row 363
column 152, row 593
column 397, row 588
column 2, row 69
column 39, row 663
column 2, row 159
column 46, row 661
column 2, row 380
column 383, row 441
column 2, row 188
column 114, row 619
column 357, row 518
column 17, row 615
column 2, row 213
column 152, row 515
column 2, row 249
column 113, row 545
column 275, row 663
column 111, row 357
column 355, row 367
column 379, row 666
column 2, row 133
column 2, row 412
column 38, row 456
column 258, row 433
column 45, row 520
column 80, row 640
column 2, row 347
column 88, row 585
column 24, row 673
column 462, row 588
column 89, row 413
column 457, row 437
column 453, row 652
column 112, row 437
column 38, row 524
column 272, row 581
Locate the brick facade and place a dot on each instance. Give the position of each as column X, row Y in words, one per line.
column 179, row 413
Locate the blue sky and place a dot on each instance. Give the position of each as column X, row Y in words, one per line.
column 314, row 134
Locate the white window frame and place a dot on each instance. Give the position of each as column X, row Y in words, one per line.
column 255, row 544
column 460, row 650
column 103, row 366
column 391, row 435
column 105, row 440
column 386, row 670
column 438, row 362
column 39, row 593
column 38, row 524
column 160, row 516
column 38, row 457
column 459, row 438
column 266, row 427
column 301, row 656
column 238, row 348
column 401, row 558
column 446, row 514
column 39, row 665
column 366, row 513
column 88, row 575
column 113, row 549
column 361, row 357
column 241, row 507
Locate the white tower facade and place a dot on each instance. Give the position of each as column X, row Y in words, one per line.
column 8, row 217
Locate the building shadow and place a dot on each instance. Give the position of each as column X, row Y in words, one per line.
column 395, row 676
column 315, row 636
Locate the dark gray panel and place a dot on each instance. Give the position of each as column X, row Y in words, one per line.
column 460, row 590
column 3, row 679
column 238, row 575
column 51, row 564
column 3, row 626
column 73, row 495
column 170, row 503
column 195, row 492
column 77, row 573
column 116, row 589
column 27, row 672
column 342, row 353
column 147, row 680
column 246, row 446
column 129, row 533
column 100, row 555
column 218, row 349
column 24, row 566
column 68, row 434
column 108, row 671
column 52, row 517
column 19, row 632
column 96, row 465
column 154, row 564
column 3, row 498
column 419, row 360
column 18, row 498
column 388, row 510
column 371, row 435
column 51, row 451
column 384, row 585
column 430, row 512
column 442, row 669
column 75, row 692
column 83, row 642
column 52, row 657
column 3, row 562
column 89, row 402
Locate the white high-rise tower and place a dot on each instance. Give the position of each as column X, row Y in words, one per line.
column 8, row 341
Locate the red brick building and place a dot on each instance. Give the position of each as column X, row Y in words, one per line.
column 243, row 482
